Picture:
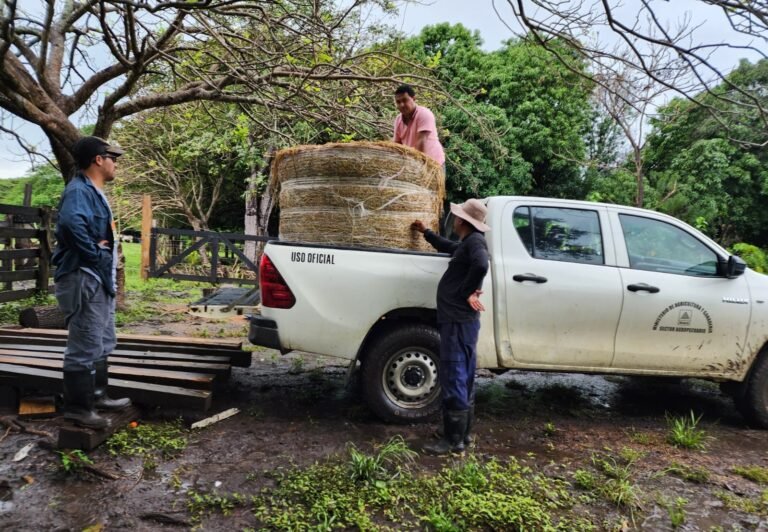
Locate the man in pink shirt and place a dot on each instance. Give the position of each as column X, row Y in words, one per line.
column 415, row 125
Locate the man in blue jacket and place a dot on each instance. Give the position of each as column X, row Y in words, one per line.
column 458, row 317
column 85, row 259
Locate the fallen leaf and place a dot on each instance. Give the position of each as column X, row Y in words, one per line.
column 23, row 452
column 29, row 479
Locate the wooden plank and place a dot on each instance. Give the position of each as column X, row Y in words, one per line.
column 215, row 419
column 22, row 344
column 134, row 338
column 74, row 437
column 236, row 358
column 19, row 275
column 161, row 376
column 15, row 295
column 219, row 370
column 19, row 253
column 28, row 212
column 17, row 232
column 37, row 407
column 158, row 394
column 146, row 229
column 139, row 392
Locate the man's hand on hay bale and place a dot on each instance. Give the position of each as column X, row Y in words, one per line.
column 419, row 226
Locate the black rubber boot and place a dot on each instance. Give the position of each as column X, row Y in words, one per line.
column 470, row 424
column 439, row 431
column 454, row 428
column 103, row 402
column 79, row 398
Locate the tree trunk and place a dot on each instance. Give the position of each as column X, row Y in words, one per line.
column 120, row 274
column 46, row 317
column 258, row 207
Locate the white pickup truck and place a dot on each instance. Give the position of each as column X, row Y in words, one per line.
column 573, row 287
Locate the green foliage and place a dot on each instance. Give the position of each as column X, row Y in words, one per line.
column 469, row 495
column 755, row 257
column 149, row 441
column 585, row 480
column 73, row 462
column 696, row 170
column 676, row 511
column 9, row 312
column 515, row 120
column 696, row 475
column 385, row 464
column 616, row 484
column 754, row 473
column 47, row 186
column 684, row 432
column 751, row 505
column 200, row 504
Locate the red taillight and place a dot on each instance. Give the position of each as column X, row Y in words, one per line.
column 274, row 291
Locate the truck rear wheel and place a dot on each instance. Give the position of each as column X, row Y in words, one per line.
column 399, row 374
column 752, row 398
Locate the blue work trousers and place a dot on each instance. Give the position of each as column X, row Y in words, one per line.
column 458, row 360
column 90, row 318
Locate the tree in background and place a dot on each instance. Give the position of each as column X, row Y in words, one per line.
column 637, row 32
column 701, row 173
column 512, row 116
column 61, row 59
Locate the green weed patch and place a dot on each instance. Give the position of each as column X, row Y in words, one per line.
column 468, row 494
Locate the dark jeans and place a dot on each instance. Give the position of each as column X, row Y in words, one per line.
column 458, row 360
column 90, row 313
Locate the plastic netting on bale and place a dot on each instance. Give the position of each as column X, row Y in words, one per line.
column 358, row 193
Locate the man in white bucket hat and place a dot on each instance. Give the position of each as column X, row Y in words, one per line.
column 458, row 317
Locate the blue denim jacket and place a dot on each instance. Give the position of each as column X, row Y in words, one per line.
column 84, row 221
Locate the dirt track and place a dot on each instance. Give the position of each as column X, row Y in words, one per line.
column 295, row 410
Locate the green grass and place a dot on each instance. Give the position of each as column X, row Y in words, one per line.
column 697, row 475
column 385, row 464
column 676, row 512
column 149, row 442
column 143, row 296
column 9, row 312
column 470, row 494
column 754, row 473
column 684, row 432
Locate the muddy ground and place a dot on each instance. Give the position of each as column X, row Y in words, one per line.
column 296, row 410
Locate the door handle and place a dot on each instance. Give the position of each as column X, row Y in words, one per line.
column 643, row 287
column 538, row 279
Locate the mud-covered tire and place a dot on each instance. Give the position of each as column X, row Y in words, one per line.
column 752, row 398
column 399, row 374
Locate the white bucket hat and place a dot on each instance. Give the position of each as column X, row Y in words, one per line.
column 472, row 211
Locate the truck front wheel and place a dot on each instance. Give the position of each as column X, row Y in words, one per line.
column 400, row 374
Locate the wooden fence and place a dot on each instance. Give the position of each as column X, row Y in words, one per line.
column 26, row 240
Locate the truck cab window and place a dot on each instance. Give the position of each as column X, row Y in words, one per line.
column 661, row 247
column 522, row 222
column 570, row 235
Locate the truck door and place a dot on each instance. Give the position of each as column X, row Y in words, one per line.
column 563, row 298
column 680, row 314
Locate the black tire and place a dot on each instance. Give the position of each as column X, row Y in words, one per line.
column 399, row 374
column 752, row 399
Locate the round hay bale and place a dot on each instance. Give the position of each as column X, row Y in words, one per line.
column 363, row 194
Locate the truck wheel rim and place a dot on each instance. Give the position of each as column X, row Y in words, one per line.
column 410, row 379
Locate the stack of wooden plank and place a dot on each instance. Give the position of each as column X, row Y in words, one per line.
column 174, row 372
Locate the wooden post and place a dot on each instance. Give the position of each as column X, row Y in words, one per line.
column 146, row 234
column 45, row 239
column 7, row 264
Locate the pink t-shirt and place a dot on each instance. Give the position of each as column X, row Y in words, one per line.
column 422, row 120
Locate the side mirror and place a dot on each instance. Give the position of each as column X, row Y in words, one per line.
column 734, row 267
